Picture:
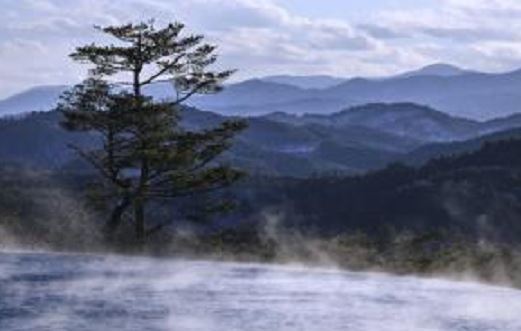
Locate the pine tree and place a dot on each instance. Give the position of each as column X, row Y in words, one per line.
column 146, row 154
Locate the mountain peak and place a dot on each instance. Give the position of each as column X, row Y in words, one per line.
column 436, row 69
column 442, row 68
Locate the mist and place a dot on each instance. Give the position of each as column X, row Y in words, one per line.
column 130, row 293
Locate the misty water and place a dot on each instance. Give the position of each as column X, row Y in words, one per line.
column 75, row 292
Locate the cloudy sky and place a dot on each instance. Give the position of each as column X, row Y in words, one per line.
column 262, row 37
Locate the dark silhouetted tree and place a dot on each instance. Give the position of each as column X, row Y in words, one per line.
column 146, row 153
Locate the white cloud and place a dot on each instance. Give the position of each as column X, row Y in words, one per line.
column 260, row 37
column 254, row 35
column 481, row 34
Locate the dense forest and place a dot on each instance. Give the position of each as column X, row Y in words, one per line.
column 453, row 214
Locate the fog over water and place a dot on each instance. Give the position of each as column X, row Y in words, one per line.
column 74, row 292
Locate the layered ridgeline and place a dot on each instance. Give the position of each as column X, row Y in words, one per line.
column 352, row 141
column 455, row 91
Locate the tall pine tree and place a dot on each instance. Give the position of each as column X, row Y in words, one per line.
column 146, row 153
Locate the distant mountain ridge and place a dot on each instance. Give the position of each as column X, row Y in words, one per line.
column 306, row 82
column 455, row 91
column 409, row 120
column 437, row 69
column 325, row 81
column 41, row 98
column 472, row 95
column 266, row 147
column 416, row 122
column 352, row 141
column 427, row 152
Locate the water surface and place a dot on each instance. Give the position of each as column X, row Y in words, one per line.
column 75, row 292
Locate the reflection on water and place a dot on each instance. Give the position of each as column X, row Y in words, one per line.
column 70, row 292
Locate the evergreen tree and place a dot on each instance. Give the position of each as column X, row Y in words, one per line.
column 146, row 154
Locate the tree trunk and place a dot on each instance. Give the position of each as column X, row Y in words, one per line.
column 139, row 202
column 116, row 218
column 139, row 219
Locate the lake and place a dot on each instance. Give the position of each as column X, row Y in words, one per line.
column 43, row 291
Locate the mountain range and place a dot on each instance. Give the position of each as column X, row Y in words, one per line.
column 303, row 125
column 452, row 90
column 355, row 140
column 458, row 92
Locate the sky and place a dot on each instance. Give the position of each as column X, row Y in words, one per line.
column 344, row 38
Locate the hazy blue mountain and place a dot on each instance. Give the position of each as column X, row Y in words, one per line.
column 306, row 82
column 252, row 97
column 452, row 90
column 500, row 124
column 437, row 69
column 352, row 141
column 420, row 123
column 435, row 150
column 295, row 106
column 34, row 99
column 44, row 98
column 325, row 81
column 455, row 91
column 277, row 148
column 267, row 146
column 37, row 140
column 471, row 95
